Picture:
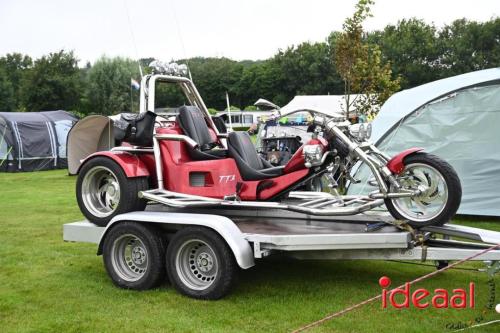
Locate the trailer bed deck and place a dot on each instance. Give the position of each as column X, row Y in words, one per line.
column 362, row 236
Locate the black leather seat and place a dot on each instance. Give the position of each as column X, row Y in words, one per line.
column 193, row 124
column 251, row 165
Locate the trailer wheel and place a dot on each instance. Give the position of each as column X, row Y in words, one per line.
column 440, row 264
column 134, row 256
column 200, row 264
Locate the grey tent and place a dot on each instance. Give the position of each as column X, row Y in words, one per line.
column 458, row 119
column 32, row 141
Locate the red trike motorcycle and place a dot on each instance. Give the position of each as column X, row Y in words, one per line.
column 184, row 161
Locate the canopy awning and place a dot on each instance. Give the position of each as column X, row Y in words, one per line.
column 333, row 105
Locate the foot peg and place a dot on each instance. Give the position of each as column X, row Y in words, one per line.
column 235, row 196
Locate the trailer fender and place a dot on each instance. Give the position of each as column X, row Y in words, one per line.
column 130, row 163
column 396, row 164
column 222, row 225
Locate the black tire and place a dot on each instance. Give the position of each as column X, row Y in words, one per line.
column 149, row 268
column 452, row 182
column 222, row 279
column 128, row 187
column 440, row 264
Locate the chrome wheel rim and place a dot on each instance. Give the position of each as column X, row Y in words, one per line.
column 129, row 258
column 196, row 264
column 101, row 191
column 431, row 202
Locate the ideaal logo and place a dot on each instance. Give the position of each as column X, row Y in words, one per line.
column 422, row 298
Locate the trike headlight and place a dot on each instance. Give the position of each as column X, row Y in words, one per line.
column 361, row 131
column 312, row 155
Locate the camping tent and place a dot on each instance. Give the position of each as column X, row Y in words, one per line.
column 31, row 141
column 457, row 119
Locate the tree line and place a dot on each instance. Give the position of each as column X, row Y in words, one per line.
column 417, row 52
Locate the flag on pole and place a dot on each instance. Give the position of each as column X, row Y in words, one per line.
column 229, row 113
column 134, row 84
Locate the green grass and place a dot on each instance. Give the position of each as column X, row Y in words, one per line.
column 47, row 285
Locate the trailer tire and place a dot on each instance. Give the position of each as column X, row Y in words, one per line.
column 200, row 264
column 98, row 204
column 440, row 264
column 134, row 256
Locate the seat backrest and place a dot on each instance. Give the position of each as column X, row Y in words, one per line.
column 242, row 149
column 219, row 123
column 193, row 124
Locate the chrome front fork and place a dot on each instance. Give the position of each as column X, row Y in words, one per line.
column 363, row 157
column 379, row 171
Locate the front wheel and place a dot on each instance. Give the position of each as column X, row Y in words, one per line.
column 441, row 195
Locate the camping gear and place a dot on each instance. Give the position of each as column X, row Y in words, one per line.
column 139, row 131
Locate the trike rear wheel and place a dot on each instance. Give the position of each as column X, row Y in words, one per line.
column 104, row 191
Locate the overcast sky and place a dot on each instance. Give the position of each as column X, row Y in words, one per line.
column 171, row 29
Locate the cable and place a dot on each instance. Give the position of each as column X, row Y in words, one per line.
column 430, row 265
column 179, row 34
column 478, row 325
column 133, row 36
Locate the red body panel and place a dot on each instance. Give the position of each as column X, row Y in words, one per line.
column 221, row 176
column 132, row 165
column 179, row 171
column 396, row 164
column 296, row 162
column 149, row 162
column 279, row 184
